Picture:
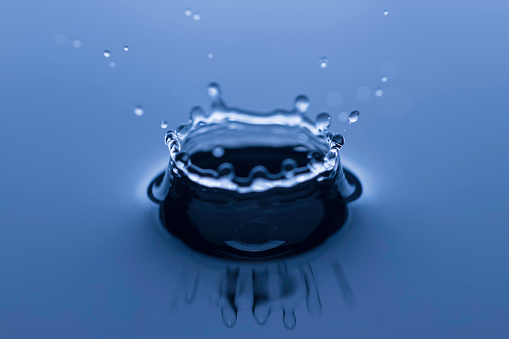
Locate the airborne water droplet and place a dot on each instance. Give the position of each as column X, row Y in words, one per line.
column 324, row 62
column 126, row 48
column 196, row 17
column 113, row 64
column 323, row 121
column 218, row 151
column 384, row 79
column 188, row 12
column 76, row 43
column 164, row 124
column 379, row 92
column 354, row 116
column 107, row 53
column 301, row 103
column 386, row 12
column 337, row 141
column 210, row 55
column 138, row 110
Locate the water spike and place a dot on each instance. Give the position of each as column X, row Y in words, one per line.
column 197, row 114
column 301, row 104
column 289, row 319
column 323, row 121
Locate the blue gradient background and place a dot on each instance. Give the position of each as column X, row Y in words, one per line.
column 426, row 252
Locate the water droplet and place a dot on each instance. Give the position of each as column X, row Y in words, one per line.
column 343, row 116
column 60, row 39
column 126, row 48
column 76, row 43
column 324, row 62
column 139, row 110
column 261, row 313
column 379, row 92
column 196, row 17
column 164, row 124
column 386, row 12
column 113, row 64
column 337, row 141
column 182, row 159
column 354, row 116
column 218, row 151
column 106, row 53
column 301, row 103
column 323, row 121
column 214, row 91
column 210, row 55
column 384, row 79
column 188, row 12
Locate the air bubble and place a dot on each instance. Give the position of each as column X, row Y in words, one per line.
column 301, row 103
column 354, row 116
column 139, row 110
column 323, row 121
column 106, row 54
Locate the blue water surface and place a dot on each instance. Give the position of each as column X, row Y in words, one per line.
column 425, row 251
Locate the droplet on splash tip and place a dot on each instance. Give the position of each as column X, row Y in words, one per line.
column 324, row 62
column 353, row 117
column 323, row 121
column 214, row 91
column 139, row 110
column 301, row 103
column 196, row 113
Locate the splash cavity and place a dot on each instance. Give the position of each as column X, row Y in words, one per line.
column 252, row 185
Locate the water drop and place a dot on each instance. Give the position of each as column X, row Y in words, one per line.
column 196, row 17
column 126, row 48
column 214, row 91
column 188, row 12
column 210, row 55
column 301, row 103
column 289, row 319
column 343, row 116
column 354, row 116
column 164, row 124
column 106, row 53
column 113, row 64
column 218, row 151
column 76, row 43
column 138, row 110
column 337, row 141
column 324, row 62
column 386, row 12
column 379, row 92
column 384, row 79
column 323, row 121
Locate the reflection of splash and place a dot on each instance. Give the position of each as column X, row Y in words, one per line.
column 264, row 290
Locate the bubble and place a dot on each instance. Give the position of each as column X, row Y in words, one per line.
column 164, row 124
column 323, row 121
column 59, row 39
column 386, row 12
column 76, row 43
column 354, row 116
column 188, row 12
column 324, row 62
column 343, row 116
column 106, row 54
column 379, row 92
column 218, row 151
column 384, row 79
column 301, row 103
column 113, row 64
column 126, row 48
column 210, row 55
column 196, row 17
column 139, row 110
